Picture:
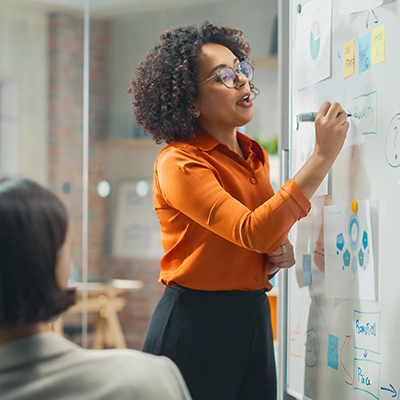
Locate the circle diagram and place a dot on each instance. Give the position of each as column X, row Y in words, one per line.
column 315, row 39
column 354, row 231
column 392, row 144
column 311, row 343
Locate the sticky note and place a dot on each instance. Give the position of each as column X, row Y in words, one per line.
column 306, row 276
column 378, row 45
column 333, row 345
column 364, row 52
column 348, row 59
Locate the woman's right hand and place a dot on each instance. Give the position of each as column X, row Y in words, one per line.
column 330, row 130
column 330, row 133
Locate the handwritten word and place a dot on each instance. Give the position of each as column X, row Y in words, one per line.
column 367, row 330
column 349, row 62
column 365, row 113
column 378, row 37
column 364, row 380
column 364, row 57
column 364, row 52
column 335, row 213
column 347, row 50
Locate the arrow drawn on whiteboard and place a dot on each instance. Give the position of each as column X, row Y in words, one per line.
column 365, row 354
column 375, row 17
column 295, row 342
column 296, row 337
column 347, row 373
column 346, row 344
column 391, row 390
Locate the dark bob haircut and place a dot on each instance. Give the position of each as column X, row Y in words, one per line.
column 33, row 227
column 165, row 82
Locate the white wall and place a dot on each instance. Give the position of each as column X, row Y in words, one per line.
column 9, row 129
column 134, row 35
column 24, row 66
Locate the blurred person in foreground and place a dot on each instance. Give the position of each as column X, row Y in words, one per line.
column 36, row 363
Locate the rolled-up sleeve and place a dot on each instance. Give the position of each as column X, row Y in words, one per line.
column 193, row 187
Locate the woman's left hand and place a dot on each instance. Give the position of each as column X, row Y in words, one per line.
column 282, row 258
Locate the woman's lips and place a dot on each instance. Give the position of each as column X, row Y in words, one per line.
column 245, row 101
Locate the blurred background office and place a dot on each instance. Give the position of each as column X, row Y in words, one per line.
column 67, row 122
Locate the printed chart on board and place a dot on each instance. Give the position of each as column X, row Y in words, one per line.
column 349, row 258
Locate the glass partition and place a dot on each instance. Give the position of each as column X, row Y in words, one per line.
column 41, row 104
column 66, row 121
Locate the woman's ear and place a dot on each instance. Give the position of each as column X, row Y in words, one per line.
column 194, row 111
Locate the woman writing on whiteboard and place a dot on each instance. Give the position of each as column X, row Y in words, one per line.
column 223, row 228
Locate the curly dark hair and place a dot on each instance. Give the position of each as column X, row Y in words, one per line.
column 165, row 82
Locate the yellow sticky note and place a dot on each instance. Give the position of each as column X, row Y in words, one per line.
column 348, row 59
column 378, row 45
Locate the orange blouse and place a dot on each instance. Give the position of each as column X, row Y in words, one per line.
column 219, row 214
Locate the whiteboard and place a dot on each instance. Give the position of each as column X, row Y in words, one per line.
column 346, row 346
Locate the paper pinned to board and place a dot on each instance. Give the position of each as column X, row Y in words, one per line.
column 378, row 45
column 349, row 256
column 364, row 52
column 313, row 43
column 349, row 65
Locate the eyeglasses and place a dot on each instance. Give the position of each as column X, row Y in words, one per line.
column 228, row 75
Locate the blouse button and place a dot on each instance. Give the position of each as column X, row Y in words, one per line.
column 258, row 277
column 253, row 181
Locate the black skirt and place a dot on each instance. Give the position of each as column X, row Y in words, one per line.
column 221, row 341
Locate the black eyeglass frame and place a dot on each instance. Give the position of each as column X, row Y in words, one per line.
column 235, row 71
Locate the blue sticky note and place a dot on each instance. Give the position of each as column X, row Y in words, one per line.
column 364, row 52
column 306, row 278
column 333, row 345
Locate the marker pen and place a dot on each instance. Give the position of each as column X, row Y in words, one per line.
column 310, row 116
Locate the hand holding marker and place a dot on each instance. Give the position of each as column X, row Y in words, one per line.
column 310, row 116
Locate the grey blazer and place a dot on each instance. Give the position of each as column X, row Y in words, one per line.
column 47, row 366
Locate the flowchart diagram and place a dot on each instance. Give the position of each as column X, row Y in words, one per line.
column 363, row 372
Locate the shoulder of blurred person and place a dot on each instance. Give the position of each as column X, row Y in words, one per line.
column 47, row 366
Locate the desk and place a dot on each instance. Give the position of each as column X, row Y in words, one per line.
column 103, row 299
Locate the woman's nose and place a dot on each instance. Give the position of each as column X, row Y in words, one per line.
column 240, row 79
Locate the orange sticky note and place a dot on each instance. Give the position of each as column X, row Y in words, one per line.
column 349, row 65
column 378, row 45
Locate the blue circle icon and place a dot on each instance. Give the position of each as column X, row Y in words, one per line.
column 354, row 231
